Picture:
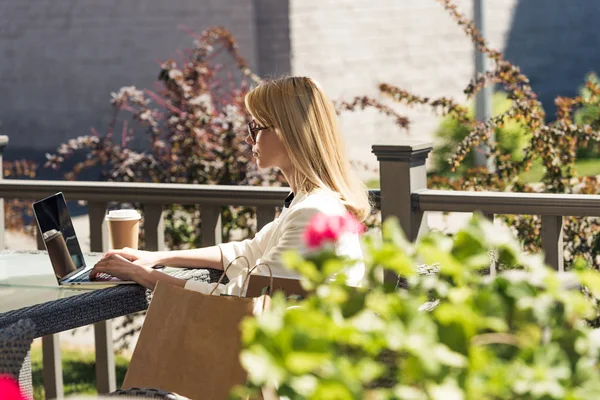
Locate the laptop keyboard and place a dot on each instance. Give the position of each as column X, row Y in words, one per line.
column 85, row 277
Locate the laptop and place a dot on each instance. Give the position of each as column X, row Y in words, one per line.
column 56, row 227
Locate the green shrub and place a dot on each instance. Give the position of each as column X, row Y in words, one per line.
column 511, row 138
column 454, row 334
column 553, row 144
column 589, row 114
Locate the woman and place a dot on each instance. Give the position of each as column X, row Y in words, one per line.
column 294, row 128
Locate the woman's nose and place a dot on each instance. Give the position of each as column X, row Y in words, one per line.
column 249, row 139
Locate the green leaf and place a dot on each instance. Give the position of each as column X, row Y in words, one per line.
column 260, row 365
column 449, row 266
column 354, row 304
column 591, row 279
column 393, row 233
column 299, row 362
column 449, row 357
column 579, row 264
column 332, row 391
column 389, row 257
column 307, row 269
column 304, row 385
column 369, row 370
column 448, row 390
column 410, row 393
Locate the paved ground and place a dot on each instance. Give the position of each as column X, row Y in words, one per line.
column 84, row 337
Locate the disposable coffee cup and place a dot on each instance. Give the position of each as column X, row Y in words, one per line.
column 123, row 228
column 59, row 253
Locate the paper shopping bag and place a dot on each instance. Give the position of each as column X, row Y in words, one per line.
column 190, row 343
column 289, row 286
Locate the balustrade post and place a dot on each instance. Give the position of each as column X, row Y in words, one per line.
column 106, row 381
column 52, row 367
column 3, row 144
column 154, row 227
column 39, row 239
column 489, row 216
column 493, row 253
column 552, row 241
column 264, row 215
column 51, row 357
column 52, row 373
column 98, row 227
column 402, row 174
column 211, row 225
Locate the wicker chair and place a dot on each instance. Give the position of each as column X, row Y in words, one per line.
column 15, row 344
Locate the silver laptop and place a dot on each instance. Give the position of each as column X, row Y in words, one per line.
column 56, row 227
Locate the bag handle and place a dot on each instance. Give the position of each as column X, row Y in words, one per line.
column 226, row 269
column 247, row 280
column 264, row 305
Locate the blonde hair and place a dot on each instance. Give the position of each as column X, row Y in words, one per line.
column 306, row 122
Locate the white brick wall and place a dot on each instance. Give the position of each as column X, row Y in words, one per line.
column 62, row 59
column 350, row 46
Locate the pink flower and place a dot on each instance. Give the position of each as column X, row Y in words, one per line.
column 328, row 229
column 9, row 388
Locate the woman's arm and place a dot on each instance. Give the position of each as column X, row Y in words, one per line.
column 206, row 257
column 150, row 277
column 136, row 265
column 124, row 269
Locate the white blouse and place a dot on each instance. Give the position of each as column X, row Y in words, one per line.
column 285, row 233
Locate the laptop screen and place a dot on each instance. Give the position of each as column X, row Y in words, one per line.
column 58, row 234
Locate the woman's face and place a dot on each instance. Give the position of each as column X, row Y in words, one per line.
column 268, row 150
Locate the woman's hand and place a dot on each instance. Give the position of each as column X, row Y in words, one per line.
column 120, row 267
column 143, row 258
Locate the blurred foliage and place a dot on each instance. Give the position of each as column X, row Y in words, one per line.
column 589, row 114
column 511, row 138
column 552, row 143
column 18, row 214
column 453, row 334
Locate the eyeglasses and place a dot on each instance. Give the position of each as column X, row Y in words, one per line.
column 254, row 128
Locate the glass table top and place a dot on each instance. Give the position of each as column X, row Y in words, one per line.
column 27, row 278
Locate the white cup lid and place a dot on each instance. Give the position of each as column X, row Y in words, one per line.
column 51, row 234
column 123, row 215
